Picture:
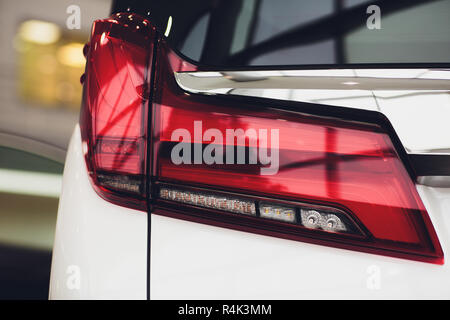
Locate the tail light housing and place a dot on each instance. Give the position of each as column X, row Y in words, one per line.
column 115, row 108
column 337, row 182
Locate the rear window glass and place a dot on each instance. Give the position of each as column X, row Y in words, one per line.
column 302, row 32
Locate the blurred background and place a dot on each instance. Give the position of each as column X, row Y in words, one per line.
column 40, row 66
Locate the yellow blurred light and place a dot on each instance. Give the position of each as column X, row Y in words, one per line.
column 40, row 32
column 46, row 63
column 71, row 55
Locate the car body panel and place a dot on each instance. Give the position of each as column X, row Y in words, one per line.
column 100, row 249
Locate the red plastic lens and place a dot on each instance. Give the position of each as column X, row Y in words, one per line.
column 114, row 115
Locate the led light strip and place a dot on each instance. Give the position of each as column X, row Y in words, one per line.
column 309, row 217
column 209, row 201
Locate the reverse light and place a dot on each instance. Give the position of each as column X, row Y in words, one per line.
column 329, row 222
column 340, row 182
column 275, row 212
column 301, row 215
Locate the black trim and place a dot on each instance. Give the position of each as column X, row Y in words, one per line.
column 149, row 163
column 430, row 164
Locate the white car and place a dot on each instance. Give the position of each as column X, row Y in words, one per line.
column 226, row 151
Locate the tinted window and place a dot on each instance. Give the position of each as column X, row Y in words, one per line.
column 299, row 32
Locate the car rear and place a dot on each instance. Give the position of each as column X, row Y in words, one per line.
column 222, row 177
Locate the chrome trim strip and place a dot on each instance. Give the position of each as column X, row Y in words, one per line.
column 331, row 79
column 437, row 152
column 435, row 181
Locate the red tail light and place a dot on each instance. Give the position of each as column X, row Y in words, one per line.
column 337, row 182
column 115, row 109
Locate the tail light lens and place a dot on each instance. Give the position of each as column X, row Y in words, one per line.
column 115, row 108
column 242, row 163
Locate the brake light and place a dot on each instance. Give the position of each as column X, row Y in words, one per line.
column 334, row 182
